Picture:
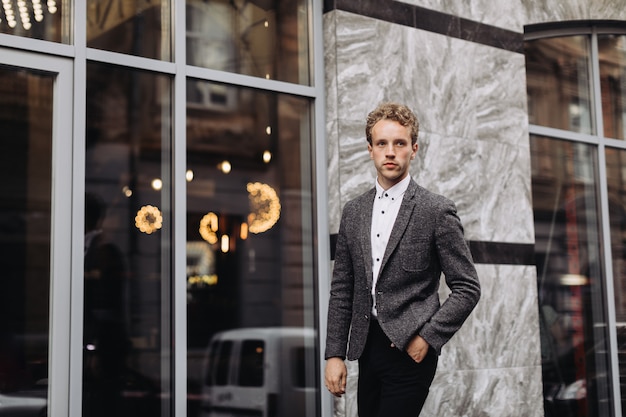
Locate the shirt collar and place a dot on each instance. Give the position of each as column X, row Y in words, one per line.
column 395, row 191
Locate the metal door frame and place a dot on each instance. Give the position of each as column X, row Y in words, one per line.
column 60, row 320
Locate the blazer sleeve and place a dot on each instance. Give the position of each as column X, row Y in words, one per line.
column 341, row 292
column 460, row 276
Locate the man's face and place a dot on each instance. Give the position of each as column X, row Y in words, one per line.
column 391, row 151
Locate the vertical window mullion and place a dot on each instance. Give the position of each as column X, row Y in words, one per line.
column 179, row 208
column 78, row 30
column 605, row 225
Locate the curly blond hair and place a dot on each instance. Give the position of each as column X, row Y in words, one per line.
column 392, row 111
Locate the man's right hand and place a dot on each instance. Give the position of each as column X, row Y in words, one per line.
column 336, row 375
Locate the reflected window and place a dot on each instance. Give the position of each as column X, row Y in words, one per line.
column 616, row 181
column 302, row 376
column 612, row 55
column 263, row 38
column 250, row 248
column 127, row 285
column 26, row 102
column 47, row 20
column 572, row 249
column 222, row 365
column 134, row 27
column 570, row 280
column 558, row 83
column 252, row 363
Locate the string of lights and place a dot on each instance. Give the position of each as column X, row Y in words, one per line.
column 24, row 12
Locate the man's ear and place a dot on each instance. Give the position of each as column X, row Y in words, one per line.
column 415, row 148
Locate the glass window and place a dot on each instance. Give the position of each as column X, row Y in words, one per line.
column 612, row 55
column 222, row 366
column 570, row 278
column 263, row 38
column 616, row 181
column 249, row 229
column 37, row 19
column 558, row 83
column 251, row 363
column 134, row 27
column 127, row 339
column 25, row 236
column 302, row 377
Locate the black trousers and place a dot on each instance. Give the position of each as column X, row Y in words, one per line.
column 391, row 383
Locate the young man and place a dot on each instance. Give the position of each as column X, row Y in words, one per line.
column 394, row 242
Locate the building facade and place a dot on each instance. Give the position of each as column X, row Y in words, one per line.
column 175, row 173
column 463, row 68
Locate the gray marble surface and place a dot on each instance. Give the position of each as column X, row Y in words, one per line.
column 501, row 392
column 473, row 121
column 480, row 11
column 557, row 10
column 518, row 13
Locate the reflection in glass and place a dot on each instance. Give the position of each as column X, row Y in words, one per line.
column 126, row 366
column 47, row 20
column 133, row 27
column 558, row 83
column 263, row 38
column 25, row 219
column 570, row 279
column 249, row 252
column 612, row 52
column 616, row 181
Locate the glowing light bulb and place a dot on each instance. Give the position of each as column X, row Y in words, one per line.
column 225, row 243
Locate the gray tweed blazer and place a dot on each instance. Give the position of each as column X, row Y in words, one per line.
column 426, row 241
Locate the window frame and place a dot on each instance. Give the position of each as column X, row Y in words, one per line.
column 68, row 395
column 592, row 29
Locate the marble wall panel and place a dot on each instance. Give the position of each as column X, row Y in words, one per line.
column 332, row 135
column 489, row 182
column 486, row 393
column 523, row 12
column 483, row 11
column 471, row 100
column 503, row 329
column 557, row 10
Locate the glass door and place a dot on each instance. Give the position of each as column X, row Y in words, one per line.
column 35, row 233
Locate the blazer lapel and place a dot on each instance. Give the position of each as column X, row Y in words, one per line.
column 366, row 232
column 402, row 221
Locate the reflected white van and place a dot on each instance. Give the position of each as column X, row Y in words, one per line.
column 260, row 372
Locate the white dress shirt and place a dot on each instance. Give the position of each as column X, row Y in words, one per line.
column 386, row 206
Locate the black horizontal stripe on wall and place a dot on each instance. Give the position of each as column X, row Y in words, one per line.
column 493, row 253
column 502, row 253
column 432, row 21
